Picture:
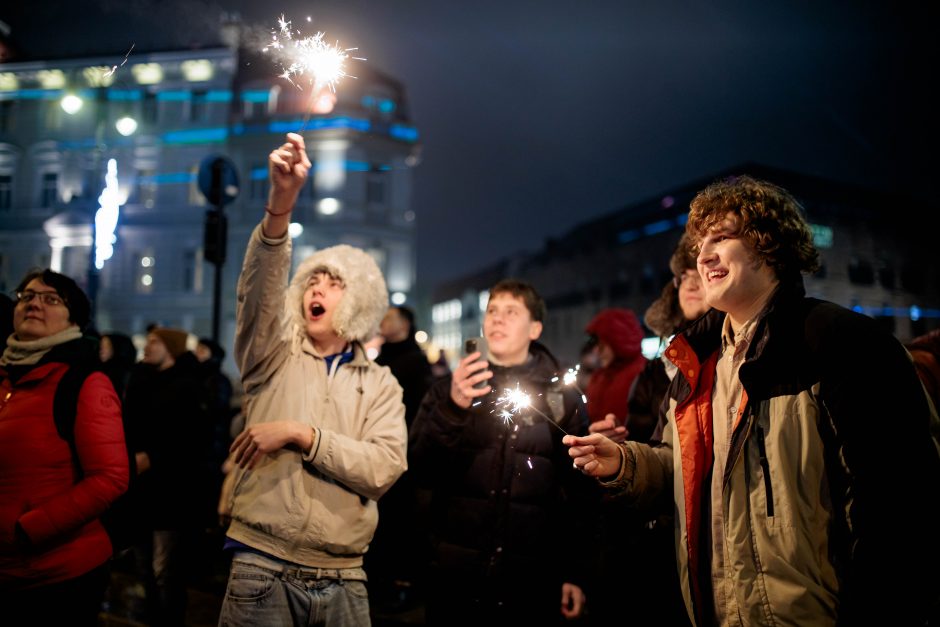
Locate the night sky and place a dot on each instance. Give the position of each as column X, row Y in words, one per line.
column 537, row 115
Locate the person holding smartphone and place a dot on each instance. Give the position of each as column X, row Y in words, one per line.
column 501, row 489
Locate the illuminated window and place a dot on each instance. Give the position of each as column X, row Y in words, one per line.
column 8, row 81
column 483, row 298
column 447, row 311
column 196, row 70
column 144, row 277
column 51, row 79
column 147, row 73
column 98, row 76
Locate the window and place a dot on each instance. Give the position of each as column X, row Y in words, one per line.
column 198, row 107
column 6, row 192
column 6, row 114
column 146, row 191
column 4, row 286
column 913, row 277
column 49, row 190
column 149, row 108
column 886, row 275
column 861, row 272
column 192, row 271
column 258, row 188
column 375, row 187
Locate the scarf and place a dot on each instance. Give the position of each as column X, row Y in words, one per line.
column 29, row 352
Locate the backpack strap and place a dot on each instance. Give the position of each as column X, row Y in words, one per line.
column 65, row 405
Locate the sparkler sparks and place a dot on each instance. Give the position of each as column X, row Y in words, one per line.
column 115, row 67
column 513, row 400
column 570, row 378
column 312, row 57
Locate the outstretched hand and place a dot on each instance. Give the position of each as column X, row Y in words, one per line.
column 608, row 427
column 594, row 455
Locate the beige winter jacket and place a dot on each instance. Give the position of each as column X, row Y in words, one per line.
column 317, row 509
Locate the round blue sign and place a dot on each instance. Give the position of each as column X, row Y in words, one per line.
column 218, row 180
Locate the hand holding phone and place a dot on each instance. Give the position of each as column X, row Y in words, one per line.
column 477, row 345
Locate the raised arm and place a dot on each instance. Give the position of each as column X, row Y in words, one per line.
column 288, row 166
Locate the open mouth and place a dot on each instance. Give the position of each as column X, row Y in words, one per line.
column 317, row 310
column 714, row 275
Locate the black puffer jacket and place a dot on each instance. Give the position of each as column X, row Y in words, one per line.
column 502, row 506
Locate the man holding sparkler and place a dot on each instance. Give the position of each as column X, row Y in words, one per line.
column 500, row 479
column 325, row 434
column 794, row 504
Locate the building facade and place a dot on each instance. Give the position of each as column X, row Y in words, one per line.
column 875, row 254
column 153, row 120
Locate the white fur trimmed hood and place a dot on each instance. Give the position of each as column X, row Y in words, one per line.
column 364, row 301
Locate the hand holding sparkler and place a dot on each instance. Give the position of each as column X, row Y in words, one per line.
column 287, row 168
column 595, row 455
column 609, row 428
column 470, row 370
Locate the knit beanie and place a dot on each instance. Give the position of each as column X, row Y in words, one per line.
column 174, row 339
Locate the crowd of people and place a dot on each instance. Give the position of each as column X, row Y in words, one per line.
column 745, row 476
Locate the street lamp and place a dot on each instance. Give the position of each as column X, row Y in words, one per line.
column 105, row 218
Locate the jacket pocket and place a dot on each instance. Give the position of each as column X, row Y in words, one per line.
column 765, row 470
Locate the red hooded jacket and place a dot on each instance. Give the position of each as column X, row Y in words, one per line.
column 608, row 390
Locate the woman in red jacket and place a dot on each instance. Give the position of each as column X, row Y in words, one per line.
column 54, row 550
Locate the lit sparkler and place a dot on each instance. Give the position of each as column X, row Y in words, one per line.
column 513, row 400
column 322, row 64
column 570, row 378
column 115, row 67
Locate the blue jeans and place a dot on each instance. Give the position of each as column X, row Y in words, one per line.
column 266, row 592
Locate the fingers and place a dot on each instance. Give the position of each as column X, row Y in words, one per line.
column 291, row 156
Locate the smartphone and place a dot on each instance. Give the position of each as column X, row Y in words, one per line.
column 473, row 345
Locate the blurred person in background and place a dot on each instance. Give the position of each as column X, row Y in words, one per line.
column 118, row 356
column 169, row 432
column 399, row 546
column 617, row 339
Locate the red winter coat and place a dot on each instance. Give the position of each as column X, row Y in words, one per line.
column 609, row 388
column 40, row 488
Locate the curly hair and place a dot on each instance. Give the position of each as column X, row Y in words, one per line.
column 664, row 316
column 771, row 221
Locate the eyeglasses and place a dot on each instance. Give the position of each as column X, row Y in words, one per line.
column 686, row 276
column 49, row 299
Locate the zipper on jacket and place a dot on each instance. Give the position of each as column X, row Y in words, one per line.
column 765, row 469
